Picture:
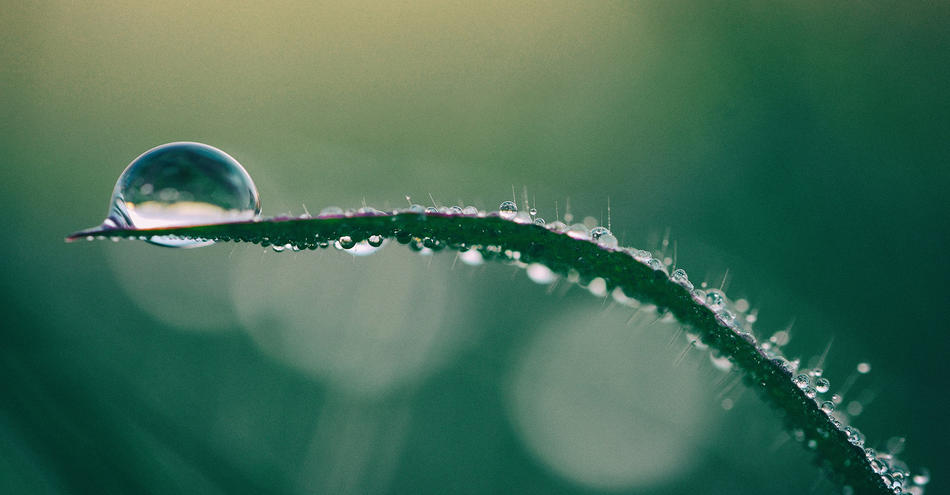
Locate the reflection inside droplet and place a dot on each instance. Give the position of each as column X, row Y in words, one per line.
column 181, row 184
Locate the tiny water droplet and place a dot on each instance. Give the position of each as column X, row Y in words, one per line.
column 455, row 210
column 578, row 231
column 822, row 385
column 800, row 381
column 726, row 317
column 603, row 237
column 714, row 299
column 539, row 221
column 679, row 277
column 556, row 226
column 810, row 392
column 827, row 407
column 533, row 211
column 864, row 368
column 181, row 184
column 522, row 217
column 540, row 274
column 331, row 211
column 508, row 210
column 345, row 242
column 470, row 211
column 375, row 240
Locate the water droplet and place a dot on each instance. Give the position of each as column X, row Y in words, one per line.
column 854, row 436
column 330, row 211
column 540, row 274
column 714, row 299
column 523, row 217
column 827, row 407
column 533, row 211
column 539, row 221
column 375, row 240
column 864, row 368
column 721, row 363
column 810, row 392
column 726, row 317
column 655, row 264
column 822, row 385
column 472, row 257
column 345, row 242
column 800, row 381
column 679, row 276
column 836, row 399
column 878, row 466
column 470, row 211
column 556, row 226
column 417, row 208
column 180, row 184
column 603, row 237
column 578, row 231
column 508, row 210
column 455, row 210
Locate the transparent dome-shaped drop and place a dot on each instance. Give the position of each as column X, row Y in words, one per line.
column 182, row 184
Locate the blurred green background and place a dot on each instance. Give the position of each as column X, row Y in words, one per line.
column 803, row 146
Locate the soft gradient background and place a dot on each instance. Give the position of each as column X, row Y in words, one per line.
column 802, row 146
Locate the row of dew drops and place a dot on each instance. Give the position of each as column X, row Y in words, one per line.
column 158, row 189
column 734, row 314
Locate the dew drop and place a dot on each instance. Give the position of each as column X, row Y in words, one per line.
column 331, row 211
column 375, row 240
column 578, row 231
column 540, row 274
column 533, row 211
column 679, row 276
column 470, row 211
column 800, row 381
column 181, row 184
column 810, row 392
column 822, row 385
column 472, row 257
column 714, row 299
column 827, row 407
column 345, row 242
column 603, row 237
column 864, row 368
column 556, row 226
column 726, row 317
column 508, row 210
column 539, row 221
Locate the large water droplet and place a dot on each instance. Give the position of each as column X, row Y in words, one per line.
column 181, row 184
column 508, row 210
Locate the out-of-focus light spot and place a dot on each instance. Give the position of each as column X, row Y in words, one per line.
column 186, row 289
column 602, row 404
column 363, row 325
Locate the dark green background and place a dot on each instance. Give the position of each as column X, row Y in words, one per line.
column 800, row 145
